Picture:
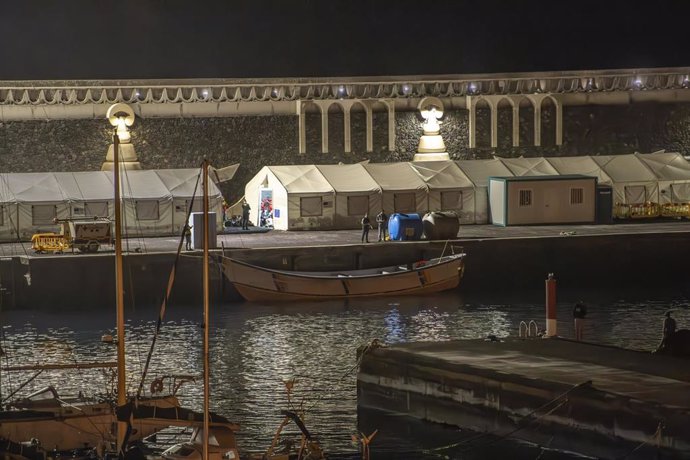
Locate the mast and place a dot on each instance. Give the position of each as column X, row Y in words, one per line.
column 206, row 312
column 119, row 296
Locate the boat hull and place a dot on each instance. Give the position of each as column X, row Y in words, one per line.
column 258, row 284
column 76, row 426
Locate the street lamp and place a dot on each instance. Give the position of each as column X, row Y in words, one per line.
column 121, row 116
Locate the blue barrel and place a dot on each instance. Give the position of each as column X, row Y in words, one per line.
column 402, row 227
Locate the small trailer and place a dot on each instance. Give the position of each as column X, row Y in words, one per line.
column 85, row 235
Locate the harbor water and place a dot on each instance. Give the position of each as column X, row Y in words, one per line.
column 256, row 348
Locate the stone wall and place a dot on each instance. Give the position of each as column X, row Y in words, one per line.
column 77, row 145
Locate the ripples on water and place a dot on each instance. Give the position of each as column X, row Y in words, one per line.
column 255, row 348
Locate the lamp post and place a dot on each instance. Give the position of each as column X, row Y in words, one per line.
column 120, row 116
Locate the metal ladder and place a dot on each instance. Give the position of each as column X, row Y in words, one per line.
column 528, row 329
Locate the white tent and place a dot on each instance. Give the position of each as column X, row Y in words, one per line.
column 300, row 197
column 89, row 193
column 34, row 200
column 181, row 184
column 402, row 190
column 356, row 193
column 529, row 166
column 479, row 171
column 583, row 165
column 632, row 181
column 30, row 201
column 146, row 204
column 673, row 173
column 449, row 188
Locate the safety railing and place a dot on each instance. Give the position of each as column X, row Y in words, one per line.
column 528, row 329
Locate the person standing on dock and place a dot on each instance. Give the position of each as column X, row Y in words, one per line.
column 382, row 221
column 187, row 231
column 366, row 225
column 667, row 331
column 245, row 215
column 579, row 313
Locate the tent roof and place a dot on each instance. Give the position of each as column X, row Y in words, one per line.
column 580, row 165
column 395, row 176
column 143, row 184
column 181, row 182
column 85, row 186
column 479, row 171
column 33, row 187
column 301, row 179
column 529, row 166
column 98, row 185
column 441, row 174
column 624, row 168
column 666, row 165
column 349, row 178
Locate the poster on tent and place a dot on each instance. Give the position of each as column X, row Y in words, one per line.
column 266, row 207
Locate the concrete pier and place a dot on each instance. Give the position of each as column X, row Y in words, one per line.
column 601, row 256
column 595, row 400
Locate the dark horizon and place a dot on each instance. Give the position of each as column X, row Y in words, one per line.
column 174, row 39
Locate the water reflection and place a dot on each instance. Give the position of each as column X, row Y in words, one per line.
column 254, row 348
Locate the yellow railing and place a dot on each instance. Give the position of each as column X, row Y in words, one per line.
column 675, row 210
column 650, row 210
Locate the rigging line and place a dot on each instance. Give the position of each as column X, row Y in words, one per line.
column 139, row 235
column 655, row 436
column 515, row 430
column 9, row 214
column 89, row 418
column 342, row 377
column 22, row 386
column 543, row 406
column 168, row 289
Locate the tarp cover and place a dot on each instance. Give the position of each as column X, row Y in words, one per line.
column 301, row 179
column 442, row 175
column 583, row 165
column 395, row 176
column 479, row 171
column 349, row 178
column 529, row 166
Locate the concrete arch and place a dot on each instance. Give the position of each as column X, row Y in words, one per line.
column 379, row 109
column 548, row 121
column 325, row 106
column 358, row 116
column 505, row 111
column 304, row 107
column 333, row 111
column 484, row 137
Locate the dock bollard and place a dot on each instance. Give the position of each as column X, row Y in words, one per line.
column 551, row 306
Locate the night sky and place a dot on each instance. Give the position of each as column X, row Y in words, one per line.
column 97, row 39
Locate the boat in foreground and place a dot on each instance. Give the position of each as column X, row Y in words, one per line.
column 257, row 284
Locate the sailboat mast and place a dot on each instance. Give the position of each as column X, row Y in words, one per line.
column 119, row 295
column 206, row 312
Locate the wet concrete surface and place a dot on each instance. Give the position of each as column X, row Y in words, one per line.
column 279, row 238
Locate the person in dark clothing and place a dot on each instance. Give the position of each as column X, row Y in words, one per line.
column 187, row 231
column 579, row 313
column 382, row 221
column 245, row 215
column 366, row 225
column 667, row 331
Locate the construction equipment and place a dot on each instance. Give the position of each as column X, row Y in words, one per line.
column 85, row 235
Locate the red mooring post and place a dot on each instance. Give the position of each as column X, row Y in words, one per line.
column 551, row 306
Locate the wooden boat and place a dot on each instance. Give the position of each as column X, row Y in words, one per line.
column 259, row 284
column 46, row 421
column 215, row 438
